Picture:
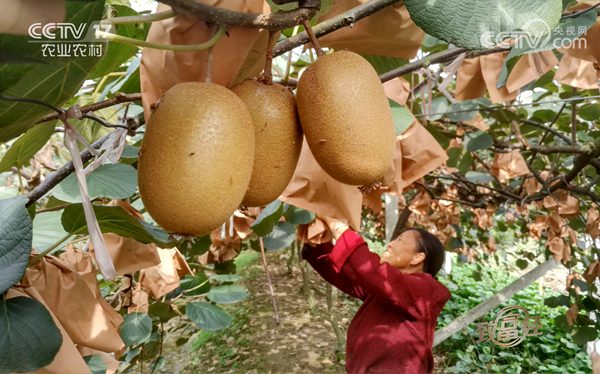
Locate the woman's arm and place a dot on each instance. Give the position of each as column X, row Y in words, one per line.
column 318, row 258
column 352, row 259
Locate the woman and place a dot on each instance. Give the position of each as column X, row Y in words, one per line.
column 393, row 330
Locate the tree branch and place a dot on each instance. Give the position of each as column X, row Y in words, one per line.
column 58, row 176
column 118, row 99
column 342, row 20
column 438, row 58
column 219, row 16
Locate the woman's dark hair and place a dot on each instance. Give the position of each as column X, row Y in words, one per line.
column 433, row 249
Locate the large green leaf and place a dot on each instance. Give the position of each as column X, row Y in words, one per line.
column 113, row 219
column 47, row 230
column 51, row 80
column 282, row 236
column 29, row 338
column 15, row 241
column 207, row 316
column 297, row 216
column 478, row 141
column 383, row 64
column 228, row 294
column 96, row 364
column 465, row 23
column 565, row 33
column 115, row 181
column 401, row 116
column 26, row 146
column 268, row 218
column 136, row 328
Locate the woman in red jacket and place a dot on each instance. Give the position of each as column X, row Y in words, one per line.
column 393, row 330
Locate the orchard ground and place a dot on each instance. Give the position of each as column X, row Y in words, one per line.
column 303, row 342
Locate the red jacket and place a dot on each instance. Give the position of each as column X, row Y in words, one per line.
column 392, row 332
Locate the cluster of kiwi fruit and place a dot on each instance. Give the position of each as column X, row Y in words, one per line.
column 209, row 149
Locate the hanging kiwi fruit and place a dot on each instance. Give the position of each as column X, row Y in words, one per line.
column 346, row 118
column 196, row 158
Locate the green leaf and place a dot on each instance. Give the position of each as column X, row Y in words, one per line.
column 135, row 329
column 227, row 294
column 162, row 311
column 118, row 53
column 478, row 141
column 465, row 163
column 297, row 216
column 195, row 285
column 589, row 112
column 30, row 339
column 207, row 316
column 15, row 241
column 26, row 146
column 282, row 236
column 96, row 364
column 383, row 64
column 47, row 230
column 53, row 81
column 115, row 181
column 557, row 38
column 466, row 23
column 267, row 219
column 113, row 219
column 225, row 277
column 584, row 334
column 478, row 177
column 401, row 116
column 522, row 263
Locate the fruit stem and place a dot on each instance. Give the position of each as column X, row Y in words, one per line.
column 313, row 38
column 208, row 72
column 288, row 67
column 271, row 292
column 168, row 47
column 267, row 75
column 145, row 18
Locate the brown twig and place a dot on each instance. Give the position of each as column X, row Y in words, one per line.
column 313, row 38
column 271, row 292
column 219, row 16
column 118, row 99
column 267, row 75
column 342, row 20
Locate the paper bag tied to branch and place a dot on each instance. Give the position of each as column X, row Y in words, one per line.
column 580, row 64
column 237, row 56
column 311, row 188
column 389, row 32
column 163, row 278
column 476, row 75
column 88, row 319
column 68, row 359
column 506, row 166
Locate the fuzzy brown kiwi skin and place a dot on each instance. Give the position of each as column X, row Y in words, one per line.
column 196, row 158
column 346, row 118
column 278, row 139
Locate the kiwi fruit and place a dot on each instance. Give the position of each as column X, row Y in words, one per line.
column 278, row 139
column 346, row 118
column 196, row 158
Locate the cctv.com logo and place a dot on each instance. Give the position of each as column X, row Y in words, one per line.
column 536, row 34
column 64, row 39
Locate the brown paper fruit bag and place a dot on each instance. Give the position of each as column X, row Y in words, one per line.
column 68, row 359
column 237, row 56
column 389, row 32
column 476, row 75
column 311, row 188
column 86, row 317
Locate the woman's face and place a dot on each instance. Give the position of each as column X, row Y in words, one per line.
column 403, row 253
